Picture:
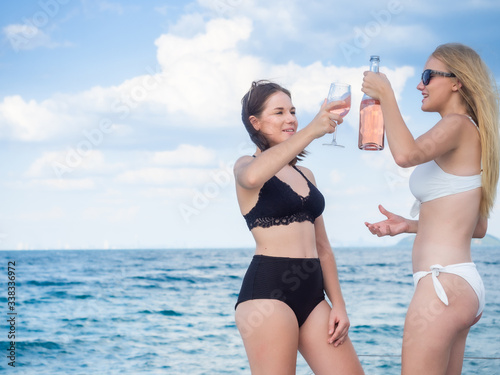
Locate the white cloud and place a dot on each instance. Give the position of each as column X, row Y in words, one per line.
column 53, row 213
column 279, row 16
column 205, row 75
column 185, row 155
column 169, row 195
column 163, row 10
column 452, row 7
column 356, row 190
column 336, row 176
column 113, row 215
column 181, row 168
column 384, row 159
column 165, row 176
column 398, row 78
column 28, row 37
column 42, row 165
column 217, row 49
column 63, row 184
column 89, row 112
column 224, row 8
column 188, row 25
column 422, row 38
column 57, row 163
column 199, row 83
column 309, row 85
column 27, row 121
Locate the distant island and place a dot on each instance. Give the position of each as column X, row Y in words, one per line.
column 487, row 241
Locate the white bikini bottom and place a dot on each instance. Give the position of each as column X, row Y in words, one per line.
column 467, row 271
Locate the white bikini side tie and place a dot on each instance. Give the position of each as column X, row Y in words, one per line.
column 435, row 270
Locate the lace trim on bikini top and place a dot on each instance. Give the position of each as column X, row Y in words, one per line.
column 428, row 182
column 279, row 204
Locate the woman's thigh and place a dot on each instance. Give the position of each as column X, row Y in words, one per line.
column 270, row 333
column 322, row 357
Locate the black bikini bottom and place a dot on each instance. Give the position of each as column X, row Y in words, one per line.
column 296, row 281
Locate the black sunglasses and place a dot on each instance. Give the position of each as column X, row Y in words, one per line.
column 427, row 74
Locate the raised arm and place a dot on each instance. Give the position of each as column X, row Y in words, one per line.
column 398, row 136
column 406, row 150
column 252, row 173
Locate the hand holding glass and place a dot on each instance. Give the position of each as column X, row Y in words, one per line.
column 339, row 91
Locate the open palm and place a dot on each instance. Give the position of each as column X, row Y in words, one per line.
column 393, row 225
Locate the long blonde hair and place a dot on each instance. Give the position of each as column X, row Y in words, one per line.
column 480, row 96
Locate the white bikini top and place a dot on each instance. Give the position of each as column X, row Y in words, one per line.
column 428, row 182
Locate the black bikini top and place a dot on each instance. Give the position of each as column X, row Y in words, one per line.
column 279, row 204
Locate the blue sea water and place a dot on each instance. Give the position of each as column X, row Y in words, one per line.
column 172, row 311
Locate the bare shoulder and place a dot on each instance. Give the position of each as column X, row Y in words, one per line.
column 457, row 121
column 242, row 162
column 450, row 130
column 463, row 127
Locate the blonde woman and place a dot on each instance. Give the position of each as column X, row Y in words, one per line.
column 454, row 183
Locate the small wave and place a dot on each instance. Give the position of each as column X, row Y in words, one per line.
column 207, row 267
column 169, row 313
column 52, row 283
column 26, row 345
column 380, row 265
column 490, row 263
column 161, row 312
column 165, row 278
column 58, row 294
column 83, row 296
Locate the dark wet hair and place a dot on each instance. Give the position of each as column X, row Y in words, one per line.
column 253, row 104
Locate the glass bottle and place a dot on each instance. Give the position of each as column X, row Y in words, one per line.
column 371, row 120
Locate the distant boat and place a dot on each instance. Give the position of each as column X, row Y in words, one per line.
column 487, row 241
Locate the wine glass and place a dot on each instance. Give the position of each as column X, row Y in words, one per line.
column 339, row 91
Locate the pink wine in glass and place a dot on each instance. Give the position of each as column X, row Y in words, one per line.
column 343, row 109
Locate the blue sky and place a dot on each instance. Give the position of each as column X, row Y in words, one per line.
column 120, row 120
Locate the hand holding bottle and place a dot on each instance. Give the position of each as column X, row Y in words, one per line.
column 375, row 84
